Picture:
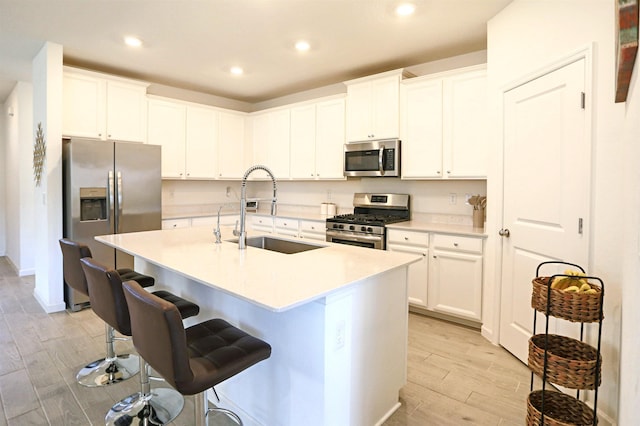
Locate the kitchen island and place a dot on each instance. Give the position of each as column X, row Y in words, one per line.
column 336, row 318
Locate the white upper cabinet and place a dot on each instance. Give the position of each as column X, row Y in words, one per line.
column 231, row 137
column 167, row 128
column 443, row 126
column 201, row 143
column 271, row 136
column 317, row 140
column 373, row 107
column 95, row 106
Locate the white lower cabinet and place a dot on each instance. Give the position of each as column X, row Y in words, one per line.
column 313, row 230
column 176, row 223
column 261, row 223
column 455, row 276
column 413, row 242
column 286, row 226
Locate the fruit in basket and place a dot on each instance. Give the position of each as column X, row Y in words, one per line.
column 573, row 279
column 591, row 291
column 585, row 287
column 572, row 289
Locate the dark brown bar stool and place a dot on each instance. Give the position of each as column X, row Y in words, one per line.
column 112, row 368
column 191, row 360
column 157, row 406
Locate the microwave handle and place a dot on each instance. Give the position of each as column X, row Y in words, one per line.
column 381, row 160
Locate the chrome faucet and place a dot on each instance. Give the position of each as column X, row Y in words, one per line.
column 242, row 234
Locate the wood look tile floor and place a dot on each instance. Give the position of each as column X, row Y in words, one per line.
column 455, row 377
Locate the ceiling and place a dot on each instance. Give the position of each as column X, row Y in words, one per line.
column 191, row 44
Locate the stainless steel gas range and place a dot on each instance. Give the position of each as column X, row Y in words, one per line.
column 366, row 227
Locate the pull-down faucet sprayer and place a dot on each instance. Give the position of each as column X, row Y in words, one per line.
column 242, row 235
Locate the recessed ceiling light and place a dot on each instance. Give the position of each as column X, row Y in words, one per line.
column 132, row 41
column 405, row 9
column 236, row 71
column 302, row 46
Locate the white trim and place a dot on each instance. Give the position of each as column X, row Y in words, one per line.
column 58, row 307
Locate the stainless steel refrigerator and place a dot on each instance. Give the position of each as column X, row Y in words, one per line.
column 108, row 188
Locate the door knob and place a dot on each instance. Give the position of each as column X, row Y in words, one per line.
column 504, row 233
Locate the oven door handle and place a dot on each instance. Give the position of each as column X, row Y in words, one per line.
column 353, row 237
column 381, row 160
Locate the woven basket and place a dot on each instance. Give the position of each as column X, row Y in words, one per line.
column 570, row 362
column 575, row 307
column 559, row 410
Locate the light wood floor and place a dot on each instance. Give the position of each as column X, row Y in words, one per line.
column 455, row 377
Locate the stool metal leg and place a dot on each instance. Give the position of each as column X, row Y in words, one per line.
column 156, row 406
column 111, row 369
column 202, row 411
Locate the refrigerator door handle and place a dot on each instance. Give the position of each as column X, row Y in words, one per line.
column 119, row 188
column 110, row 199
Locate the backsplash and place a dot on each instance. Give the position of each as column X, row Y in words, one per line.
column 429, row 199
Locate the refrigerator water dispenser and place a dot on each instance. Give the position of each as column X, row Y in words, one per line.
column 93, row 204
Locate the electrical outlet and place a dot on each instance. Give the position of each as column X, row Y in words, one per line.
column 340, row 334
column 453, row 198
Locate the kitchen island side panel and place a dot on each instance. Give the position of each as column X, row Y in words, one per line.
column 338, row 360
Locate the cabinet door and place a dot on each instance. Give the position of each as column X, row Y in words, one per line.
column 279, row 143
column 330, row 128
column 288, row 227
column 303, row 142
column 359, row 101
column 83, row 106
column 418, row 274
column 421, row 131
column 126, row 112
column 455, row 283
column 167, row 128
column 313, row 230
column 385, row 120
column 231, row 145
column 464, row 125
column 201, row 143
column 260, row 145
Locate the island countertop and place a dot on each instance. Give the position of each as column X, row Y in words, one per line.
column 272, row 280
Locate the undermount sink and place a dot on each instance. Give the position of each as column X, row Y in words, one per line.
column 278, row 245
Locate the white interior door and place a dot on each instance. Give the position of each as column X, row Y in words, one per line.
column 546, row 192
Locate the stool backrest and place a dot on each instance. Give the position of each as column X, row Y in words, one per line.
column 72, row 252
column 106, row 295
column 158, row 334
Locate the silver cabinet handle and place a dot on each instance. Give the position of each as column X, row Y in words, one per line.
column 110, row 199
column 119, row 188
column 504, row 233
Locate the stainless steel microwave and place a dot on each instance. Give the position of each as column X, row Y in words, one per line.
column 372, row 158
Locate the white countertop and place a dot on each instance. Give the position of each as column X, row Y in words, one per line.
column 272, row 280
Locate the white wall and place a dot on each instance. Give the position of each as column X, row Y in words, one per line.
column 47, row 109
column 18, row 190
column 526, row 36
column 630, row 337
column 4, row 136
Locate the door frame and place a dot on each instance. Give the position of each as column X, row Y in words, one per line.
column 492, row 294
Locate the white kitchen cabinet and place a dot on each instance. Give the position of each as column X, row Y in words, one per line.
column 443, row 126
column 201, row 143
column 188, row 135
column 313, row 230
column 373, row 107
column 271, row 136
column 176, row 223
column 167, row 128
column 286, row 226
column 95, row 106
column 261, row 223
column 455, row 276
column 413, row 242
column 231, row 137
column 317, row 140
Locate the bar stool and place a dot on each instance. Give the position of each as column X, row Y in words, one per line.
column 112, row 368
column 191, row 360
column 157, row 406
